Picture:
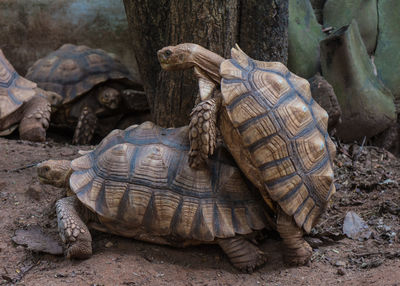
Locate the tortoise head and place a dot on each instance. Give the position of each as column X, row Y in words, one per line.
column 54, row 98
column 109, row 97
column 54, row 172
column 177, row 57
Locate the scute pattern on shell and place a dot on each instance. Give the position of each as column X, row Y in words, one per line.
column 284, row 132
column 73, row 70
column 139, row 178
column 14, row 89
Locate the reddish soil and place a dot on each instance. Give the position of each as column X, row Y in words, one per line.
column 366, row 182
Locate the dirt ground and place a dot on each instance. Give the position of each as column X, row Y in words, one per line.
column 366, row 180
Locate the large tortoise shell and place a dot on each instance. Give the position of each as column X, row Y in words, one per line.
column 139, row 178
column 14, row 89
column 72, row 70
column 278, row 135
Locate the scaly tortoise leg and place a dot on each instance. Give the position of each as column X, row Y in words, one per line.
column 243, row 254
column 35, row 119
column 73, row 230
column 296, row 250
column 203, row 131
column 85, row 127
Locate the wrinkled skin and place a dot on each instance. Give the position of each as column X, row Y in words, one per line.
column 177, row 57
column 109, row 97
column 55, row 172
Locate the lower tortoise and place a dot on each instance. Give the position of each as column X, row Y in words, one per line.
column 137, row 183
column 272, row 126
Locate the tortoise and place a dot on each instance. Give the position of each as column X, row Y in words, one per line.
column 137, row 183
column 93, row 86
column 22, row 104
column 273, row 128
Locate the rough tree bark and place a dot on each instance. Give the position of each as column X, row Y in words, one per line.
column 213, row 24
column 264, row 29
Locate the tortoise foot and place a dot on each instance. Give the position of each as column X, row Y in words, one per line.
column 298, row 256
column 73, row 231
column 259, row 258
column 243, row 254
column 196, row 161
column 202, row 135
column 85, row 127
column 35, row 120
column 34, row 134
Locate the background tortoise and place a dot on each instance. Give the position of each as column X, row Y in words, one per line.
column 21, row 102
column 272, row 126
column 137, row 183
column 93, row 85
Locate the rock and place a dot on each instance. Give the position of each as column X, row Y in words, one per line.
column 367, row 105
column 324, row 94
column 304, row 34
column 354, row 227
column 313, row 241
column 341, row 272
column 109, row 244
column 387, row 54
column 340, row 263
column 339, row 13
column 34, row 239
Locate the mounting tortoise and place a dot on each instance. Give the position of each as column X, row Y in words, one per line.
column 137, row 183
column 96, row 90
column 273, row 128
column 22, row 104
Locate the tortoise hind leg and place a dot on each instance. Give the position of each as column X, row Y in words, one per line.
column 35, row 119
column 73, row 231
column 296, row 250
column 85, row 127
column 243, row 254
column 203, row 131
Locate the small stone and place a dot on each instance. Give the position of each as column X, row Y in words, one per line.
column 341, row 272
column 109, row 244
column 340, row 263
column 314, row 242
column 354, row 227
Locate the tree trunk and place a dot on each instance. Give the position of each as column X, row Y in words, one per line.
column 264, row 29
column 155, row 24
column 212, row 24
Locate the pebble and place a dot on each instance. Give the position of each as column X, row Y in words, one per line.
column 341, row 272
column 109, row 244
column 340, row 263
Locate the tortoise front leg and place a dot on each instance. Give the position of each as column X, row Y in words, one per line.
column 35, row 119
column 243, row 254
column 296, row 250
column 85, row 127
column 203, row 131
column 73, row 230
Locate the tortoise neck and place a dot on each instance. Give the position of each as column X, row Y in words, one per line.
column 67, row 176
column 207, row 61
